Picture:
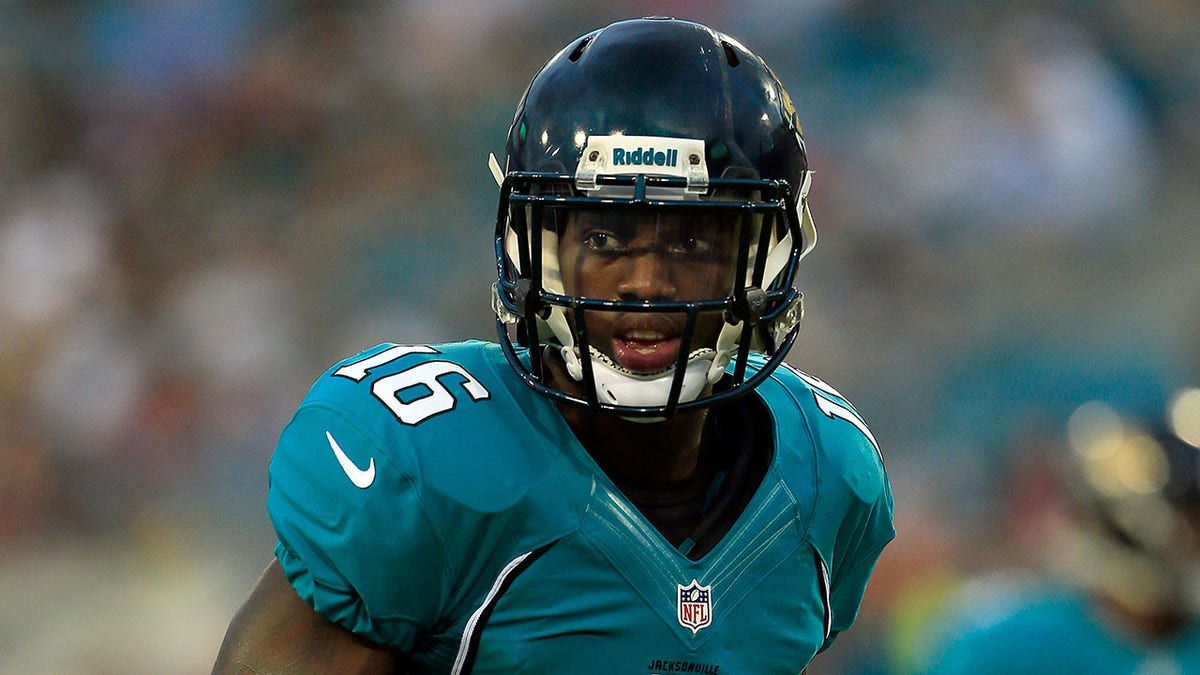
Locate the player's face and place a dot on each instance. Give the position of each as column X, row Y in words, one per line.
column 648, row 257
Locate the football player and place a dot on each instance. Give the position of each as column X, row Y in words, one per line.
column 1123, row 590
column 630, row 480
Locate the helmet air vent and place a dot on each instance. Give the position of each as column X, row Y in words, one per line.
column 578, row 51
column 731, row 56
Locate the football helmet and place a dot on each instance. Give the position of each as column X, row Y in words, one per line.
column 1136, row 537
column 652, row 216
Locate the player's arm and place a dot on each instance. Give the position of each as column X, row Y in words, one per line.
column 277, row 632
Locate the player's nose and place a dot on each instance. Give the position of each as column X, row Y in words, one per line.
column 647, row 276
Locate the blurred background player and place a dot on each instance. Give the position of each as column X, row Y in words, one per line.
column 1122, row 593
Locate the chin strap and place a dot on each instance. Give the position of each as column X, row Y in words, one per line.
column 616, row 385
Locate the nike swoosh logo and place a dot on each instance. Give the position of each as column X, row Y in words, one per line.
column 361, row 478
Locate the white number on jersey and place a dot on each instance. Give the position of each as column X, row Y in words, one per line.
column 824, row 394
column 438, row 397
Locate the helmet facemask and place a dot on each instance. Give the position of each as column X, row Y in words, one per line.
column 646, row 288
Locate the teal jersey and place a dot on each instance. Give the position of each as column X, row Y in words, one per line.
column 428, row 500
column 1049, row 628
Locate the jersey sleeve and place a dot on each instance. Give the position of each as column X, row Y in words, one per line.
column 853, row 519
column 867, row 529
column 354, row 539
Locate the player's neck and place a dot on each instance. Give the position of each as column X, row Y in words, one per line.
column 647, row 454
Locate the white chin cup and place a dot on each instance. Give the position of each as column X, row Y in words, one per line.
column 618, row 386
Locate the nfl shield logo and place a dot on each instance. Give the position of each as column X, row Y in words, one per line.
column 694, row 606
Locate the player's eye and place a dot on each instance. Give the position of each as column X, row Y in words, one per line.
column 691, row 245
column 603, row 241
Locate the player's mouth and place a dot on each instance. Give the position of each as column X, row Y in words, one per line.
column 645, row 351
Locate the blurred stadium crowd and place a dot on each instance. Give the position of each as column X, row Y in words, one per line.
column 203, row 203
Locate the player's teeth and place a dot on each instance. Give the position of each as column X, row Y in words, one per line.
column 644, row 336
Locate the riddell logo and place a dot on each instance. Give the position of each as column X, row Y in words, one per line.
column 645, row 157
